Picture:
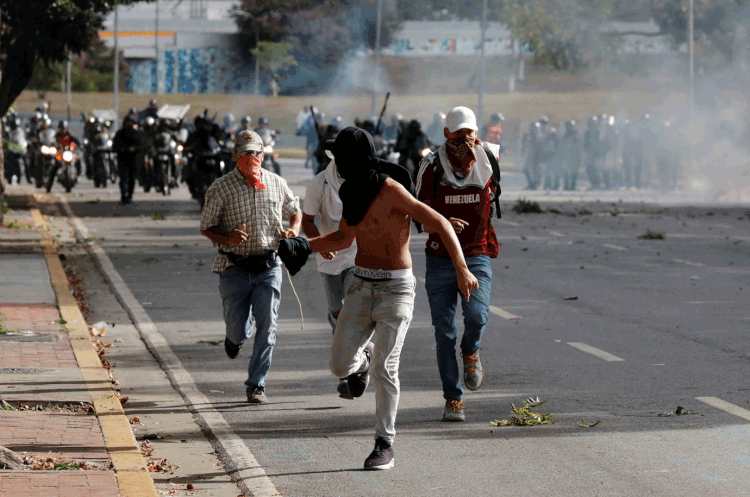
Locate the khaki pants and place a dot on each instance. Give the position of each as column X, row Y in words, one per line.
column 377, row 312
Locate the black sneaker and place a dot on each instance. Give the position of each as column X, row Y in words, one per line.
column 231, row 349
column 381, row 457
column 343, row 389
column 358, row 382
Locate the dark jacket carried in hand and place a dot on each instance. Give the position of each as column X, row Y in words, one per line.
column 293, row 252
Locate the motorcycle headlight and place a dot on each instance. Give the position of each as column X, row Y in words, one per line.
column 67, row 156
column 425, row 152
column 180, row 148
column 85, row 141
column 52, row 150
column 268, row 149
column 45, row 149
column 109, row 143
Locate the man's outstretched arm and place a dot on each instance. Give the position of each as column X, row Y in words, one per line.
column 433, row 220
column 334, row 241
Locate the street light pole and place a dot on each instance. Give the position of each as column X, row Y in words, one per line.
column 691, row 48
column 116, row 86
column 156, row 48
column 257, row 66
column 373, row 108
column 69, row 82
column 483, row 29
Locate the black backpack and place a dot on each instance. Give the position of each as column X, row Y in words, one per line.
column 439, row 172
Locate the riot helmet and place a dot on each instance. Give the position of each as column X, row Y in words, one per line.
column 497, row 117
column 263, row 121
column 245, row 122
column 396, row 119
column 62, row 125
column 570, row 126
column 544, row 120
column 228, row 121
column 336, row 121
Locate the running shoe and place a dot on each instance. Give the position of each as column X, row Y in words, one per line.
column 473, row 371
column 256, row 395
column 454, row 411
column 381, row 457
column 357, row 382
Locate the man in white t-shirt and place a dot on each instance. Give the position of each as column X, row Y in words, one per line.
column 336, row 269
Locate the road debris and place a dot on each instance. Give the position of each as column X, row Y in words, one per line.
column 651, row 235
column 524, row 416
column 585, row 423
column 524, row 206
column 680, row 411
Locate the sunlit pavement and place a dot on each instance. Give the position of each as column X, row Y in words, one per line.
column 604, row 325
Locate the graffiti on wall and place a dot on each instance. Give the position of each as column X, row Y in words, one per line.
column 205, row 70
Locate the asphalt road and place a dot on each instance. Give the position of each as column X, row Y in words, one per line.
column 612, row 328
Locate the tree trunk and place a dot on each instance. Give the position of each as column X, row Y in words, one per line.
column 2, row 177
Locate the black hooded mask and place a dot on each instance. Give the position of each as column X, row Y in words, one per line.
column 363, row 172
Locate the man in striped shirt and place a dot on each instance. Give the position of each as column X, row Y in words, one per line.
column 243, row 217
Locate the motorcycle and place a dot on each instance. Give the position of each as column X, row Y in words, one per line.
column 67, row 158
column 47, row 155
column 16, row 147
column 103, row 159
column 165, row 162
column 269, row 156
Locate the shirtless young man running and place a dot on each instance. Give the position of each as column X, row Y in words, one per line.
column 378, row 307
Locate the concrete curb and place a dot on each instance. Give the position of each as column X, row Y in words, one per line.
column 133, row 476
column 250, row 476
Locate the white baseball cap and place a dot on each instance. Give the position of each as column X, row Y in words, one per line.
column 460, row 118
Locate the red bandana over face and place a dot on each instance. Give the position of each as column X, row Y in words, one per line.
column 250, row 167
column 460, row 151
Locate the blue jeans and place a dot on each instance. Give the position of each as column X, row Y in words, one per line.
column 252, row 299
column 335, row 286
column 441, row 284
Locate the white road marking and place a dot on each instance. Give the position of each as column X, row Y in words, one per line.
column 696, row 302
column 688, row 263
column 594, row 351
column 615, row 247
column 557, row 233
column 250, row 475
column 503, row 314
column 726, row 407
column 510, row 223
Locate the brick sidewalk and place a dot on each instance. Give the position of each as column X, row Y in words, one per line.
column 34, row 317
column 58, row 483
column 72, row 436
column 45, row 360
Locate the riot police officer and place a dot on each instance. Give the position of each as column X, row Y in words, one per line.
column 570, row 155
column 591, row 150
column 531, row 149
